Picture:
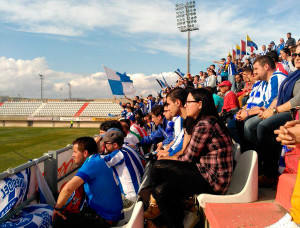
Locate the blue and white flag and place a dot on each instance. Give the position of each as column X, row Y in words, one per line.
column 166, row 82
column 179, row 73
column 120, row 84
column 13, row 190
column 33, row 216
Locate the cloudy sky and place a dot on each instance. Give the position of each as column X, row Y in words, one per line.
column 68, row 41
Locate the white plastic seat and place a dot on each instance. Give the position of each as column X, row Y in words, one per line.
column 133, row 218
column 244, row 183
column 236, row 151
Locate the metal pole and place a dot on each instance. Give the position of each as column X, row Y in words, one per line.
column 188, row 52
column 70, row 95
column 42, row 82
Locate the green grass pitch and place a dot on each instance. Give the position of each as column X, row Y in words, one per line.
column 33, row 142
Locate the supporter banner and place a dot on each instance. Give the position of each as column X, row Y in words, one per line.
column 33, row 216
column 13, row 190
column 85, row 118
column 39, row 118
column 69, row 118
column 65, row 163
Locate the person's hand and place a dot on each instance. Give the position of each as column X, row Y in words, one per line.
column 162, row 153
column 266, row 114
column 241, row 115
column 289, row 135
column 291, row 123
column 57, row 213
column 159, row 146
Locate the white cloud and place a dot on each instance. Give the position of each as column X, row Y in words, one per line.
column 20, row 78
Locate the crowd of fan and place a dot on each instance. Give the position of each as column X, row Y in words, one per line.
column 192, row 126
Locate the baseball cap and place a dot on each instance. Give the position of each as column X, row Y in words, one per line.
column 114, row 137
column 272, row 42
column 225, row 83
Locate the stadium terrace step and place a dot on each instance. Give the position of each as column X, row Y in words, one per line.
column 268, row 210
column 81, row 109
column 243, row 215
column 285, row 190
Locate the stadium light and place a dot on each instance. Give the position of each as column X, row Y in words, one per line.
column 70, row 95
column 186, row 22
column 42, row 85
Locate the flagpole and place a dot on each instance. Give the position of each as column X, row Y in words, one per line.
column 246, row 45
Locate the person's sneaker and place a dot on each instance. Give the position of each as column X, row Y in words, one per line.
column 284, row 222
column 264, row 181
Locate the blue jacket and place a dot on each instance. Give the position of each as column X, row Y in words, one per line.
column 164, row 133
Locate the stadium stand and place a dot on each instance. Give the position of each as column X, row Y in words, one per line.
column 62, row 108
column 16, row 108
column 101, row 109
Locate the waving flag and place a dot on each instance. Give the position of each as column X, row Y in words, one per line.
column 238, row 52
column 233, row 54
column 165, row 81
column 120, row 84
column 163, row 84
column 243, row 47
column 250, row 43
column 179, row 73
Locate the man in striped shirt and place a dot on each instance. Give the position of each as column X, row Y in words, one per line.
column 125, row 163
column 264, row 67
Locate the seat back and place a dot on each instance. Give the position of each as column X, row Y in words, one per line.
column 245, row 173
column 236, row 151
column 137, row 217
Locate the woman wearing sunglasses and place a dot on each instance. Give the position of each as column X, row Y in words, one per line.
column 204, row 167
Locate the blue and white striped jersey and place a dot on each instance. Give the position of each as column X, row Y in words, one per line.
column 127, row 168
column 256, row 95
column 272, row 87
column 178, row 135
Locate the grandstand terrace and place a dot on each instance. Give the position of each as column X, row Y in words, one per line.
column 47, row 113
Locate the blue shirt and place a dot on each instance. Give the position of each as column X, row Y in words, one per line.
column 102, row 193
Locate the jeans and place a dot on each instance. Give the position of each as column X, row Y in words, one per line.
column 259, row 135
column 268, row 148
column 172, row 183
column 231, row 78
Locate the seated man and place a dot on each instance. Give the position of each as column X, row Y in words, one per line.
column 175, row 107
column 104, row 203
column 230, row 100
column 125, row 163
column 165, row 130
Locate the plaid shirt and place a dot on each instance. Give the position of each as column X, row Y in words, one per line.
column 211, row 149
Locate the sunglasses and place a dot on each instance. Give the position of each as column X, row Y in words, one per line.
column 296, row 54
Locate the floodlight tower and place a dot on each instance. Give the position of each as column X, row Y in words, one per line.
column 186, row 22
column 70, row 95
column 42, row 85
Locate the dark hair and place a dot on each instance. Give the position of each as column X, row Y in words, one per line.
column 149, row 117
column 104, row 126
column 131, row 109
column 265, row 59
column 140, row 121
column 158, row 110
column 289, row 33
column 213, row 65
column 86, row 143
column 273, row 54
column 248, row 69
column 210, row 89
column 285, row 50
column 127, row 121
column 208, row 106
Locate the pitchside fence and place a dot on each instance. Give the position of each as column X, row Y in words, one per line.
column 19, row 187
